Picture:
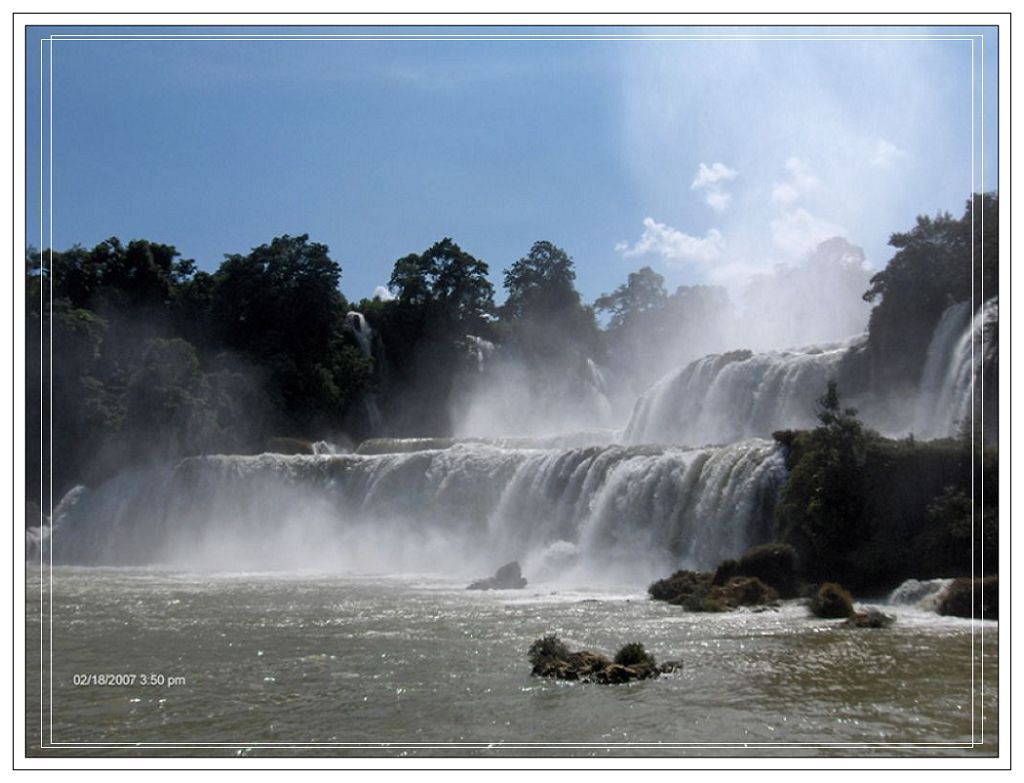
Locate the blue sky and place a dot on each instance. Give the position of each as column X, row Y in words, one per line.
column 707, row 159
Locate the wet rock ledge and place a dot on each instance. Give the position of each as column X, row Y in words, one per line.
column 508, row 577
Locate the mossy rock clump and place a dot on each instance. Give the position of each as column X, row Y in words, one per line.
column 551, row 658
column 679, row 587
column 738, row 591
column 743, row 591
column 957, row 599
column 704, row 601
column 832, row 601
column 872, row 618
column 722, row 591
column 726, row 570
column 773, row 564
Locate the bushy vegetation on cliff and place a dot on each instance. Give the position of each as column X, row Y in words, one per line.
column 152, row 358
column 869, row 512
column 941, row 260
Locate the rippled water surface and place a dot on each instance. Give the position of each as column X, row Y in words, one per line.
column 315, row 664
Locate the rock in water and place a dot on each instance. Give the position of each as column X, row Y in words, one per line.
column 958, row 598
column 831, row 601
column 773, row 564
column 508, row 577
column 679, row 587
column 872, row 618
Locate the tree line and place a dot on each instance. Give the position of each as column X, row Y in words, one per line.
column 153, row 358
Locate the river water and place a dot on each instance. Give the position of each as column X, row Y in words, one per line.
column 301, row 664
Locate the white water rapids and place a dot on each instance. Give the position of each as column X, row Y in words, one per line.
column 589, row 512
column 725, row 397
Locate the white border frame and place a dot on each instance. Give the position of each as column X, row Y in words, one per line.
column 18, row 89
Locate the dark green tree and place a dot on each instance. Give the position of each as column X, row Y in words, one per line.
column 442, row 295
column 115, row 278
column 540, row 284
column 450, row 284
column 543, row 315
column 280, row 307
column 643, row 292
column 86, row 411
column 166, row 402
column 820, row 507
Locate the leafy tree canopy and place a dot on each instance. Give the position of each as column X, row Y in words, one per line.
column 540, row 284
column 447, row 281
column 643, row 292
column 280, row 298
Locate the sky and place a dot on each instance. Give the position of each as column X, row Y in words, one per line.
column 709, row 158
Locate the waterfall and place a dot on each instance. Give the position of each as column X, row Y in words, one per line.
column 727, row 397
column 956, row 358
column 593, row 511
column 361, row 330
column 356, row 323
column 480, row 350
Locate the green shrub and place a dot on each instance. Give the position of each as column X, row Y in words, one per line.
column 744, row 591
column 547, row 647
column 634, row 654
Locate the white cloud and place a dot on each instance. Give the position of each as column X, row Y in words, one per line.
column 383, row 294
column 886, row 154
column 674, row 246
column 709, row 175
column 709, row 179
column 718, row 200
column 800, row 181
column 798, row 232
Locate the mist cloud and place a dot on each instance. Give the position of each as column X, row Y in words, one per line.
column 886, row 154
column 797, row 232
